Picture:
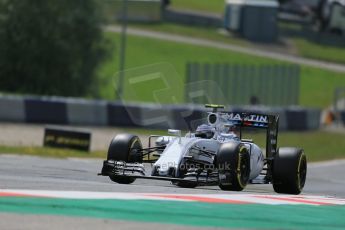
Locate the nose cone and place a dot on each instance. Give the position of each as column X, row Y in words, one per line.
column 162, row 172
column 168, row 171
column 168, row 162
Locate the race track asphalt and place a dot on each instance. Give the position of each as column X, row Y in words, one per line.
column 27, row 172
column 35, row 173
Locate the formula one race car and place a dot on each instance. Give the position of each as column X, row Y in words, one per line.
column 215, row 154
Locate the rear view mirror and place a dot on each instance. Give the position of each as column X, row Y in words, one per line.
column 174, row 132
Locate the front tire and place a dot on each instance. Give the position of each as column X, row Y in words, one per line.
column 289, row 171
column 124, row 148
column 233, row 161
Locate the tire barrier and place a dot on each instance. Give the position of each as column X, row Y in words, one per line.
column 123, row 115
column 70, row 111
column 155, row 117
column 301, row 119
column 296, row 119
column 282, row 118
column 84, row 112
column 12, row 109
column 46, row 110
column 187, row 117
column 313, row 119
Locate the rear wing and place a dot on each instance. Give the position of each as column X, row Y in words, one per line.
column 258, row 121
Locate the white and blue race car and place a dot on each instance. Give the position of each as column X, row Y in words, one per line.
column 215, row 154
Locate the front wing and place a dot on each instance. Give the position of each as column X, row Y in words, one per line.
column 137, row 170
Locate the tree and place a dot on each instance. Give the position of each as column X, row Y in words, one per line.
column 50, row 47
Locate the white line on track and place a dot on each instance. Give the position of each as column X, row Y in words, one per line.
column 211, row 198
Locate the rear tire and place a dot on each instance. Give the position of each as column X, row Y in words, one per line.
column 289, row 171
column 233, row 162
column 123, row 148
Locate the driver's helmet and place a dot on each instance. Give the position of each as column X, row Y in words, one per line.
column 231, row 128
column 229, row 132
column 205, row 131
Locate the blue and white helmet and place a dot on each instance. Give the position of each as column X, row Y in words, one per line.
column 228, row 127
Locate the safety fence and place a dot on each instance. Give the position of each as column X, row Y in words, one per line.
column 270, row 85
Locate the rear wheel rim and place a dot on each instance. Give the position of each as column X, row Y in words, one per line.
column 302, row 174
column 244, row 167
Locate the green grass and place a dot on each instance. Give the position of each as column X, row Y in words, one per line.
column 313, row 50
column 146, row 51
column 311, row 44
column 295, row 33
column 50, row 152
column 304, row 47
column 213, row 6
column 214, row 34
column 318, row 145
column 316, row 87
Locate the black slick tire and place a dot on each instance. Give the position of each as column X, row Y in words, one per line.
column 289, row 171
column 233, row 162
column 124, row 148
